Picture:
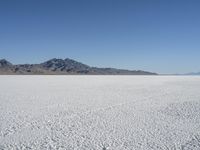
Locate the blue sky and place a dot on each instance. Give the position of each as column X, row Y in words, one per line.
column 154, row 35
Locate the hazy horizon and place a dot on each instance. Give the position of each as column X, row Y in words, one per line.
column 157, row 36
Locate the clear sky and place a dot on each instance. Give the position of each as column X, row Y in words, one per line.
column 154, row 35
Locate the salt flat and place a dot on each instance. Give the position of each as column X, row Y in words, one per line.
column 100, row 112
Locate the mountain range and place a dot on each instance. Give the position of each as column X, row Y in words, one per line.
column 62, row 67
column 193, row 73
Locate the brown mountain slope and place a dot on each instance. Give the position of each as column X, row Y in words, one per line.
column 63, row 67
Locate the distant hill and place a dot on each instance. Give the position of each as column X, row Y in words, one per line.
column 193, row 73
column 63, row 67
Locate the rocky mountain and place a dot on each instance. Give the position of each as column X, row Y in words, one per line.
column 4, row 63
column 63, row 67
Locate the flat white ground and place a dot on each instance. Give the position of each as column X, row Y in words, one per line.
column 100, row 112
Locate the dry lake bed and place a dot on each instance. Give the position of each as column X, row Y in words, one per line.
column 100, row 112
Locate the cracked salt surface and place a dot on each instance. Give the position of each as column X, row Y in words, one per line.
column 100, row 112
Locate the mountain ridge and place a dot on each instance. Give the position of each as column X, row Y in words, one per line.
column 66, row 66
